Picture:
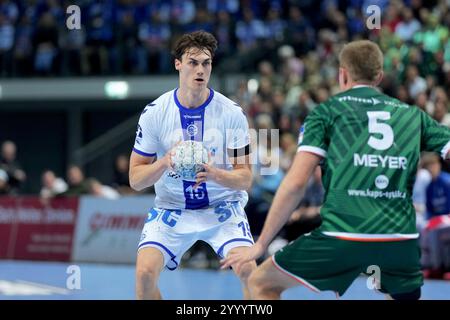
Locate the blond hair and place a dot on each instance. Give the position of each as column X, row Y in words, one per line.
column 363, row 59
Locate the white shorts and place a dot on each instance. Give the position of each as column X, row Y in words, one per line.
column 173, row 232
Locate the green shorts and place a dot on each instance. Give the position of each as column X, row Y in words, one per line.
column 322, row 262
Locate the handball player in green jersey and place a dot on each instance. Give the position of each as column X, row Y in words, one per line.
column 368, row 146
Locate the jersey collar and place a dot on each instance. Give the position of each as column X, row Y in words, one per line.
column 193, row 110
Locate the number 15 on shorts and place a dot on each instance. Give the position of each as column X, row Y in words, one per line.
column 245, row 229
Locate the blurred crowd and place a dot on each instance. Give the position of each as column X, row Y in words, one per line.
column 13, row 178
column 288, row 50
column 124, row 37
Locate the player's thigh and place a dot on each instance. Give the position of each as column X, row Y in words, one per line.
column 400, row 269
column 231, row 231
column 321, row 262
column 172, row 238
column 267, row 276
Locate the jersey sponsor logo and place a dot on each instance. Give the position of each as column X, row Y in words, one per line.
column 372, row 101
column 138, row 134
column 377, row 194
column 375, row 101
column 213, row 151
column 376, row 161
column 174, row 175
column 381, row 182
column 301, row 134
column 192, row 130
column 189, row 116
column 356, row 99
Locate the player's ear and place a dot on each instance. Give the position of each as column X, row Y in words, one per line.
column 345, row 76
column 342, row 78
column 379, row 78
column 177, row 64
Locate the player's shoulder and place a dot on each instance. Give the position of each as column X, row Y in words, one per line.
column 227, row 105
column 159, row 104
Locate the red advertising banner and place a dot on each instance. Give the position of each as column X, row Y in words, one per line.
column 7, row 218
column 31, row 228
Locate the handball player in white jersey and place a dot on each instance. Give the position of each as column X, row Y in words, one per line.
column 209, row 207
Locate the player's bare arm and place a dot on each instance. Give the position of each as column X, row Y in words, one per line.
column 240, row 178
column 145, row 171
column 286, row 200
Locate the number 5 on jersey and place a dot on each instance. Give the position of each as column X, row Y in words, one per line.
column 380, row 128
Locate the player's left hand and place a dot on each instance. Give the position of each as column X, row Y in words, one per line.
column 210, row 173
column 237, row 257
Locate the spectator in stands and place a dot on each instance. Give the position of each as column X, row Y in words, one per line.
column 77, row 182
column 4, row 186
column 23, row 50
column 419, row 196
column 438, row 191
column 224, row 32
column 440, row 113
column 100, row 190
column 416, row 84
column 435, row 259
column 8, row 163
column 121, row 177
column 100, row 45
column 8, row 16
column 127, row 39
column 52, row 185
column 154, row 36
column 45, row 42
column 409, row 25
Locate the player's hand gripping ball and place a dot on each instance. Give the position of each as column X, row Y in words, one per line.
column 188, row 159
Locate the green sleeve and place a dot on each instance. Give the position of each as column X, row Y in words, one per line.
column 313, row 134
column 435, row 137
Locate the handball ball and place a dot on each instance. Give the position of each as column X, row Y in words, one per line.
column 188, row 158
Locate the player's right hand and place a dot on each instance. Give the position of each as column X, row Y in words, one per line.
column 170, row 154
column 238, row 256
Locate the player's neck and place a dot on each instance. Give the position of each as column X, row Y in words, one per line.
column 192, row 99
column 361, row 85
column 354, row 85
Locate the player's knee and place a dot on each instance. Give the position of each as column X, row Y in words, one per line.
column 246, row 270
column 254, row 280
column 147, row 273
column 413, row 295
column 258, row 284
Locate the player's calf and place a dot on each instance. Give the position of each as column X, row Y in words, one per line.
column 261, row 287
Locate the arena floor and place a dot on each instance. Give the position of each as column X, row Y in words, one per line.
column 47, row 280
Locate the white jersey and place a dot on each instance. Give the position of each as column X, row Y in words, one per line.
column 219, row 123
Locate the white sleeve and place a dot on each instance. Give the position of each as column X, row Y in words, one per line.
column 238, row 135
column 146, row 138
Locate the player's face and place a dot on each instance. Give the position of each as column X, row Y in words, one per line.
column 195, row 69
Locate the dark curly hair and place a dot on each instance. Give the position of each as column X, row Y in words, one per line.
column 201, row 40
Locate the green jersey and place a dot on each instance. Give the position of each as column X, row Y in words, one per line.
column 371, row 145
